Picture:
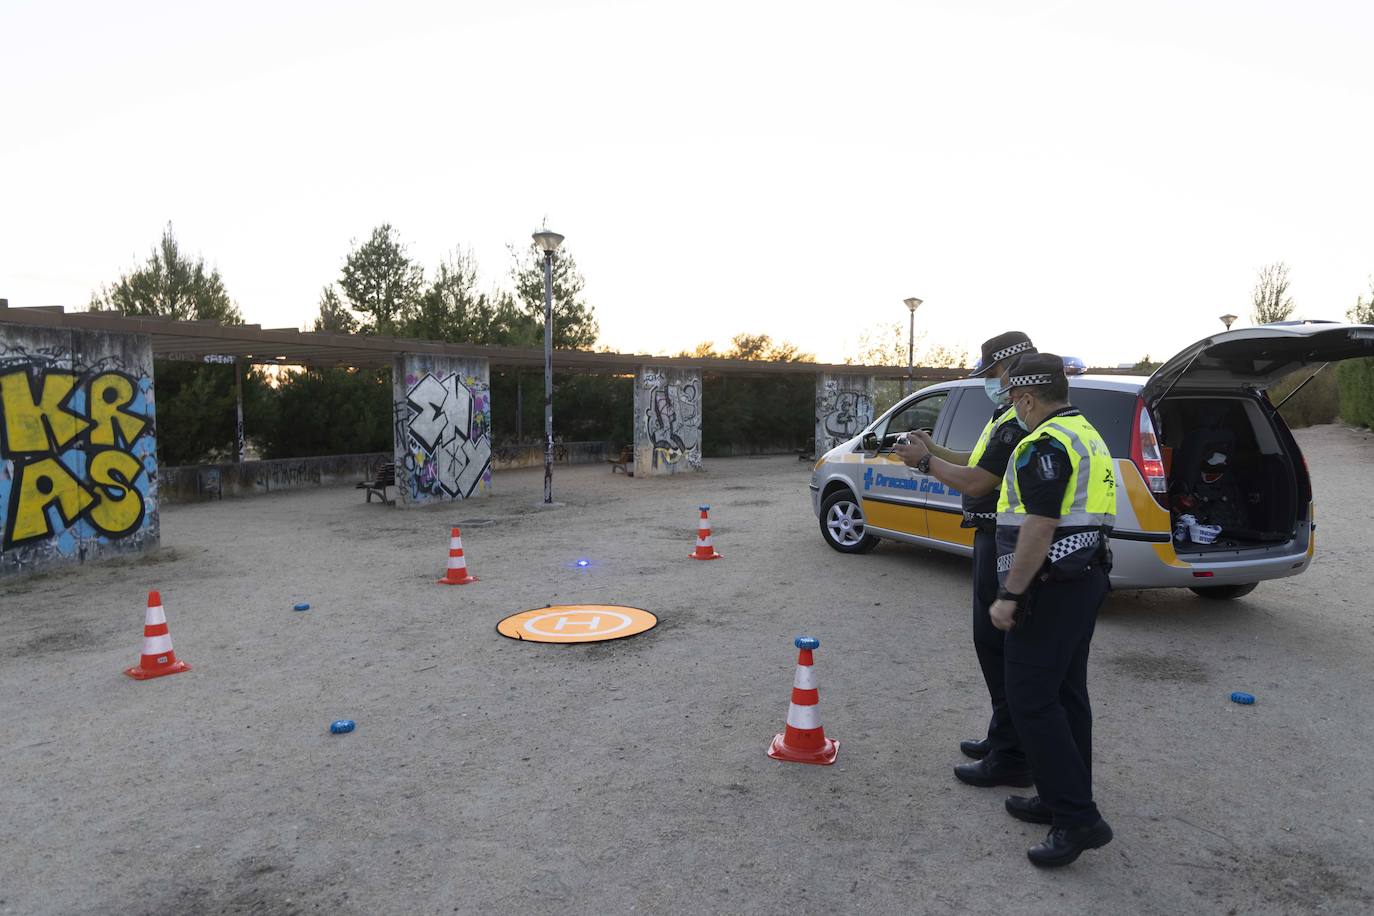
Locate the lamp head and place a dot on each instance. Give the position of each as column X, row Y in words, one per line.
column 547, row 241
column 912, row 303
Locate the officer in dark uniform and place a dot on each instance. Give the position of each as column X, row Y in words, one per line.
column 1054, row 515
column 978, row 475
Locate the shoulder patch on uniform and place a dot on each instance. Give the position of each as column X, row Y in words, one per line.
column 1010, row 433
column 1049, row 466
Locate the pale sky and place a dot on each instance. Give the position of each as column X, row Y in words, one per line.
column 1106, row 176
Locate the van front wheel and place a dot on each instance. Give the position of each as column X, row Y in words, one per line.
column 843, row 525
column 1224, row 592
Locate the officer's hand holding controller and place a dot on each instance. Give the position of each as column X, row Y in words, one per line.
column 912, row 447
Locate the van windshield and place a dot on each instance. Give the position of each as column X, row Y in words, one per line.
column 1110, row 413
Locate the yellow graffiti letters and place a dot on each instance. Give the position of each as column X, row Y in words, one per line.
column 110, row 394
column 38, row 485
column 24, row 417
column 119, row 507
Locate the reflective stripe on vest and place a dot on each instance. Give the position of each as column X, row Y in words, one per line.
column 1089, row 498
column 983, row 440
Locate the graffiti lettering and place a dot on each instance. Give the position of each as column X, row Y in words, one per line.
column 844, row 406
column 70, row 440
column 443, row 441
column 671, row 419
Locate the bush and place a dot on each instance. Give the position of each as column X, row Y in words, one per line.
column 195, row 410
column 1318, row 402
column 328, row 412
column 1355, row 378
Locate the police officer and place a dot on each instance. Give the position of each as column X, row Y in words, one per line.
column 1054, row 514
column 977, row 475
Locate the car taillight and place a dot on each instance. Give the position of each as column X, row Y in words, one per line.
column 1145, row 452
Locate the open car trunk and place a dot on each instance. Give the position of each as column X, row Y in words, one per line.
column 1235, row 475
column 1232, row 465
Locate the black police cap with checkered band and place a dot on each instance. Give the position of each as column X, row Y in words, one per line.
column 1033, row 370
column 1002, row 347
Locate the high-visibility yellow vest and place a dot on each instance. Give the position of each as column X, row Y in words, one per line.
column 982, row 444
column 1090, row 497
column 1089, row 508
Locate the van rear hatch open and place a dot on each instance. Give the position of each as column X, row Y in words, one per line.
column 1258, row 357
column 1234, row 468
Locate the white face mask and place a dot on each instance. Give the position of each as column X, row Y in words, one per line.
column 1020, row 421
column 992, row 386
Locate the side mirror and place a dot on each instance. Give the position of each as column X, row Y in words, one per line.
column 870, row 442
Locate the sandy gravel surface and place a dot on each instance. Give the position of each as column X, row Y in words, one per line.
column 492, row 776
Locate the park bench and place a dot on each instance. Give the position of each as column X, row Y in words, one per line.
column 383, row 477
column 623, row 461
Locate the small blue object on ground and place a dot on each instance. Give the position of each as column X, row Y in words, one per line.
column 806, row 642
column 342, row 726
column 301, row 606
column 1244, row 699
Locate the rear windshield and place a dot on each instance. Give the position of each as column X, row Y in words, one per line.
column 1110, row 413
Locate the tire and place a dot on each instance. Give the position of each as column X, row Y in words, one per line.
column 1223, row 592
column 843, row 526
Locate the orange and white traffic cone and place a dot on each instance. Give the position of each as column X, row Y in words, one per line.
column 804, row 740
column 705, row 550
column 457, row 572
column 158, row 658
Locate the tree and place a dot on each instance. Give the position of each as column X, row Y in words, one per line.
column 574, row 321
column 169, row 285
column 886, row 345
column 381, row 283
column 1145, row 365
column 452, row 309
column 334, row 315
column 1270, row 297
column 763, row 347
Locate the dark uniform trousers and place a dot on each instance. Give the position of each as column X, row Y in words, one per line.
column 988, row 642
column 1047, row 691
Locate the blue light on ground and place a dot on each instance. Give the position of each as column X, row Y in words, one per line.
column 584, row 562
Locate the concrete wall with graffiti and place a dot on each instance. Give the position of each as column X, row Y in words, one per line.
column 844, row 406
column 667, row 421
column 78, row 448
column 442, row 427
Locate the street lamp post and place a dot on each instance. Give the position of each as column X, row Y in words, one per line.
column 911, row 304
column 1227, row 319
column 548, row 242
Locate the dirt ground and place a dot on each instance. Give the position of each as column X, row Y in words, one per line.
column 492, row 776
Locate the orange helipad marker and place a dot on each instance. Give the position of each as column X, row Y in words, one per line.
column 577, row 623
column 804, row 739
column 457, row 572
column 705, row 549
column 158, row 659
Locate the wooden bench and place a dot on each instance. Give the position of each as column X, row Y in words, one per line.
column 624, row 462
column 384, row 477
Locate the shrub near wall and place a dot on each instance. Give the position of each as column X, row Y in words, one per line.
column 1355, row 379
column 1317, row 402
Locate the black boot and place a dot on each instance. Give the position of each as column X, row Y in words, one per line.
column 977, row 749
column 1064, row 844
column 987, row 773
column 1029, row 809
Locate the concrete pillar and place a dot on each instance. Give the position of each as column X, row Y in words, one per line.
column 442, row 425
column 667, row 421
column 844, row 406
column 78, row 447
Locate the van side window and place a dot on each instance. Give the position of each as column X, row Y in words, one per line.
column 971, row 414
column 1110, row 413
column 919, row 415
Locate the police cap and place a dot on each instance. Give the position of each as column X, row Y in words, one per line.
column 1033, row 370
column 1002, row 347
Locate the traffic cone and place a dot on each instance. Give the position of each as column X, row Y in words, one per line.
column 158, row 658
column 457, row 572
column 704, row 551
column 804, row 740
